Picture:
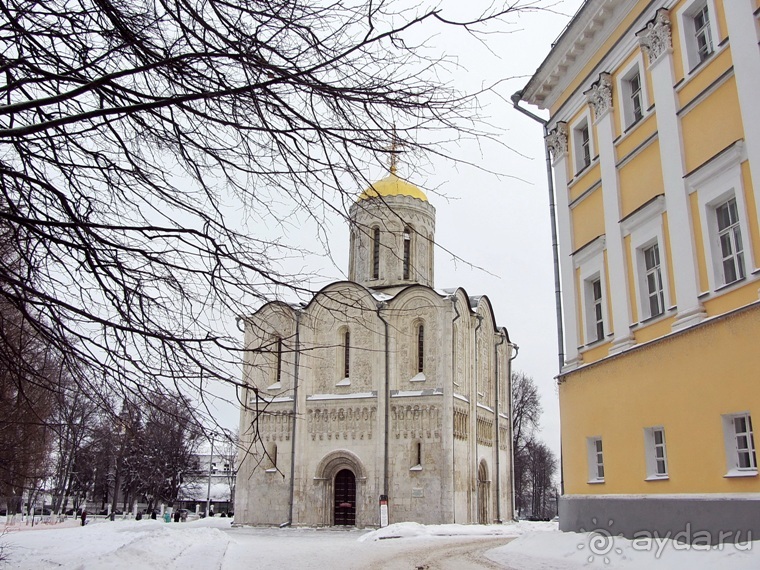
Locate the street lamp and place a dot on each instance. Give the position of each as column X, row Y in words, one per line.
column 210, row 465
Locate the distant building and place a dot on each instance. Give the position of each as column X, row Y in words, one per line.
column 195, row 487
column 399, row 392
column 655, row 135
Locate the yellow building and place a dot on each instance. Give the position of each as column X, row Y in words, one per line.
column 654, row 133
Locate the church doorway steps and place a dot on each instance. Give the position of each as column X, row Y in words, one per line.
column 344, row 512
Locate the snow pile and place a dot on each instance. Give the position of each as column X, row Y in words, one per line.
column 416, row 530
column 120, row 545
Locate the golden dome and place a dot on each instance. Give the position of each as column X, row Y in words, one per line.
column 392, row 185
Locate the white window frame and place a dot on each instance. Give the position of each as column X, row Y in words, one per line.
column 590, row 260
column 575, row 135
column 717, row 182
column 733, row 443
column 646, row 229
column 595, row 459
column 625, row 102
column 656, row 453
column 731, row 231
column 689, row 49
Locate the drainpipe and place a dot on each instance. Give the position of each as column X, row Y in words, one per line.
column 498, row 449
column 295, row 410
column 511, row 436
column 516, row 98
column 381, row 306
column 475, row 414
column 453, row 373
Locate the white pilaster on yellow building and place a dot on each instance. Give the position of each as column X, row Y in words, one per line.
column 654, row 132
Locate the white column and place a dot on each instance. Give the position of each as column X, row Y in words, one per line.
column 557, row 143
column 600, row 98
column 656, row 40
column 745, row 53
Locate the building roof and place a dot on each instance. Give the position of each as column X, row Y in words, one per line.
column 392, row 185
column 582, row 39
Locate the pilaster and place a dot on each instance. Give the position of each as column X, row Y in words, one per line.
column 745, row 54
column 656, row 40
column 600, row 99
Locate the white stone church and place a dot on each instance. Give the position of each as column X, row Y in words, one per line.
column 380, row 391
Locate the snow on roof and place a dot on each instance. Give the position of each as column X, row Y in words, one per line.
column 197, row 491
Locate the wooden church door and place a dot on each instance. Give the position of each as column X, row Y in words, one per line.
column 345, row 498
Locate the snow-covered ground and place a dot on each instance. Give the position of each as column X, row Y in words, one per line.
column 212, row 543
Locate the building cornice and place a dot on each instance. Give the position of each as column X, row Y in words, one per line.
column 578, row 43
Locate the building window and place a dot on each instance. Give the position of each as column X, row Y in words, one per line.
column 431, row 259
column 653, row 278
column 278, row 363
column 723, row 215
column 582, row 145
column 595, row 460
column 702, row 33
column 375, row 253
column 420, row 348
column 591, row 287
column 416, row 456
column 657, row 461
column 740, row 444
column 407, row 252
column 272, row 457
column 594, row 310
column 632, row 96
column 730, row 239
column 699, row 32
column 346, row 354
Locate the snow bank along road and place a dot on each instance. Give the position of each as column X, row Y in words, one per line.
column 211, row 544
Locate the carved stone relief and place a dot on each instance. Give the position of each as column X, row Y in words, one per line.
column 415, row 421
column 341, row 423
column 556, row 141
column 600, row 95
column 656, row 38
column 275, row 426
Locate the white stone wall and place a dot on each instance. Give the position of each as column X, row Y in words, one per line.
column 449, row 410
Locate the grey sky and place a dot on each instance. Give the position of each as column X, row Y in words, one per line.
column 497, row 222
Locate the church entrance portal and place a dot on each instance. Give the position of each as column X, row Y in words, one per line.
column 345, row 498
column 484, row 492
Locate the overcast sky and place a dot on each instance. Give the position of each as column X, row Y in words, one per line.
column 497, row 222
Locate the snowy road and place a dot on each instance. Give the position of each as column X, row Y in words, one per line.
column 326, row 549
column 212, row 544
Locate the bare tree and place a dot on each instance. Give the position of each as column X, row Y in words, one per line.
column 541, row 468
column 144, row 145
column 526, row 413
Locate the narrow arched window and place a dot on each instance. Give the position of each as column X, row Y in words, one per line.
column 407, row 252
column 431, row 258
column 376, row 253
column 346, row 354
column 278, row 374
column 420, row 348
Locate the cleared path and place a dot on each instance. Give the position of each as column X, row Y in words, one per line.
column 328, row 549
